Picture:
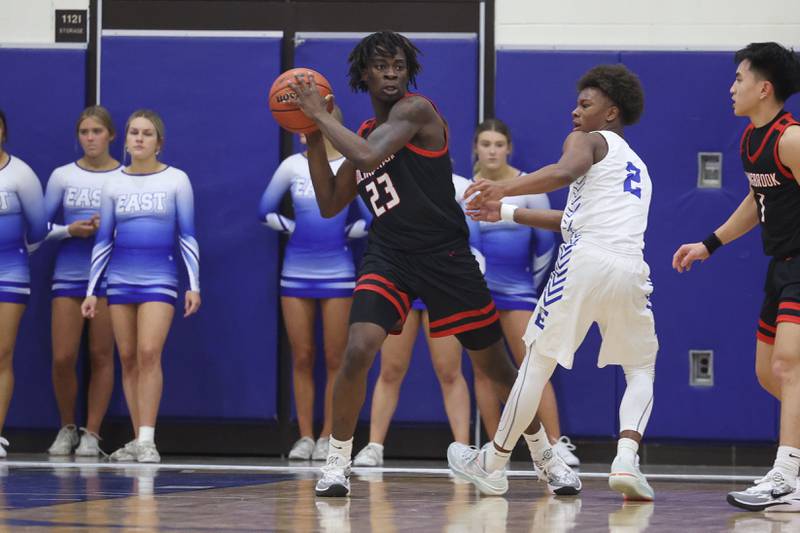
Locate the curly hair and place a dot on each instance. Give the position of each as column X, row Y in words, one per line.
column 383, row 43
column 621, row 86
column 4, row 138
column 778, row 65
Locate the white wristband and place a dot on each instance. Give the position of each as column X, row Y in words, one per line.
column 507, row 212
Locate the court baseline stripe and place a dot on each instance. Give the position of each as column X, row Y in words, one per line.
column 356, row 470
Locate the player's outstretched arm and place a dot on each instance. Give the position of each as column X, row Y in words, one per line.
column 581, row 150
column 740, row 222
column 549, row 219
column 492, row 211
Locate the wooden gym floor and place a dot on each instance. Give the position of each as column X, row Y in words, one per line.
column 226, row 495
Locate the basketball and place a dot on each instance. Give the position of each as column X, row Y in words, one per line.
column 282, row 101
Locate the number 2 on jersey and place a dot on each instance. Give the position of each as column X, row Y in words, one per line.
column 632, row 180
column 374, row 194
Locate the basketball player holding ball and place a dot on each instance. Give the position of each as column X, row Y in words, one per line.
column 418, row 242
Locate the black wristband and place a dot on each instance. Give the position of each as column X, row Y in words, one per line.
column 712, row 242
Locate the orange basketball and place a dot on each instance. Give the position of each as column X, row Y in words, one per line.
column 282, row 101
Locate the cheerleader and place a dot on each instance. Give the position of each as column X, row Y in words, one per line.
column 22, row 227
column 141, row 210
column 74, row 189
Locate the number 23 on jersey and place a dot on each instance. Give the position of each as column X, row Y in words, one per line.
column 381, row 203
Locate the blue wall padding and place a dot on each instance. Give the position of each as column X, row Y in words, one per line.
column 212, row 95
column 449, row 77
column 43, row 92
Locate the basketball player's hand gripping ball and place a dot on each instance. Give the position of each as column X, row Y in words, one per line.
column 297, row 96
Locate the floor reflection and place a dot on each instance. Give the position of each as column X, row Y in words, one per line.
column 76, row 496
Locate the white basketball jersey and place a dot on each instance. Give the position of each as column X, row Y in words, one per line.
column 608, row 206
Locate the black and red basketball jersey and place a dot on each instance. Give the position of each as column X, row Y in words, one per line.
column 776, row 190
column 412, row 199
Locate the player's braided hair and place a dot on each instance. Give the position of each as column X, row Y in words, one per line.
column 774, row 63
column 382, row 43
column 621, row 85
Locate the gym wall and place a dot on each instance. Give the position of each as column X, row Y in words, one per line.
column 228, row 363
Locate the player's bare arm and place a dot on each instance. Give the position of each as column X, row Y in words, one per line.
column 740, row 222
column 789, row 151
column 549, row 219
column 405, row 122
column 406, row 118
column 334, row 192
column 580, row 151
column 746, row 215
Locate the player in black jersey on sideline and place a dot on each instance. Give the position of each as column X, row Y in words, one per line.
column 418, row 241
column 766, row 76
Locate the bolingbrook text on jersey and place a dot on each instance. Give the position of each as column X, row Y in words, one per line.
column 776, row 190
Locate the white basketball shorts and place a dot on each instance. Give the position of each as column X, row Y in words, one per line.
column 590, row 284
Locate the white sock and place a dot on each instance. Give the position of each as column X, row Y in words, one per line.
column 538, row 444
column 146, row 434
column 627, row 449
column 494, row 459
column 341, row 447
column 377, row 445
column 787, row 462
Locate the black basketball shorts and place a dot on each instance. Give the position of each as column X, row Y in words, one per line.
column 448, row 282
column 781, row 297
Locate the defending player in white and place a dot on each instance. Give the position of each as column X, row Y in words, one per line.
column 600, row 276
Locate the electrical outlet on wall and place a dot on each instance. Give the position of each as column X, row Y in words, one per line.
column 701, row 368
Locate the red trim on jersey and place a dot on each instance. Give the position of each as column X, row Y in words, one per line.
column 750, row 129
column 383, row 292
column 422, row 151
column 789, row 305
column 745, row 137
column 467, row 327
column 766, row 326
column 763, row 338
column 369, row 123
column 458, row 316
column 788, row 318
column 428, row 153
column 789, row 122
column 381, row 279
